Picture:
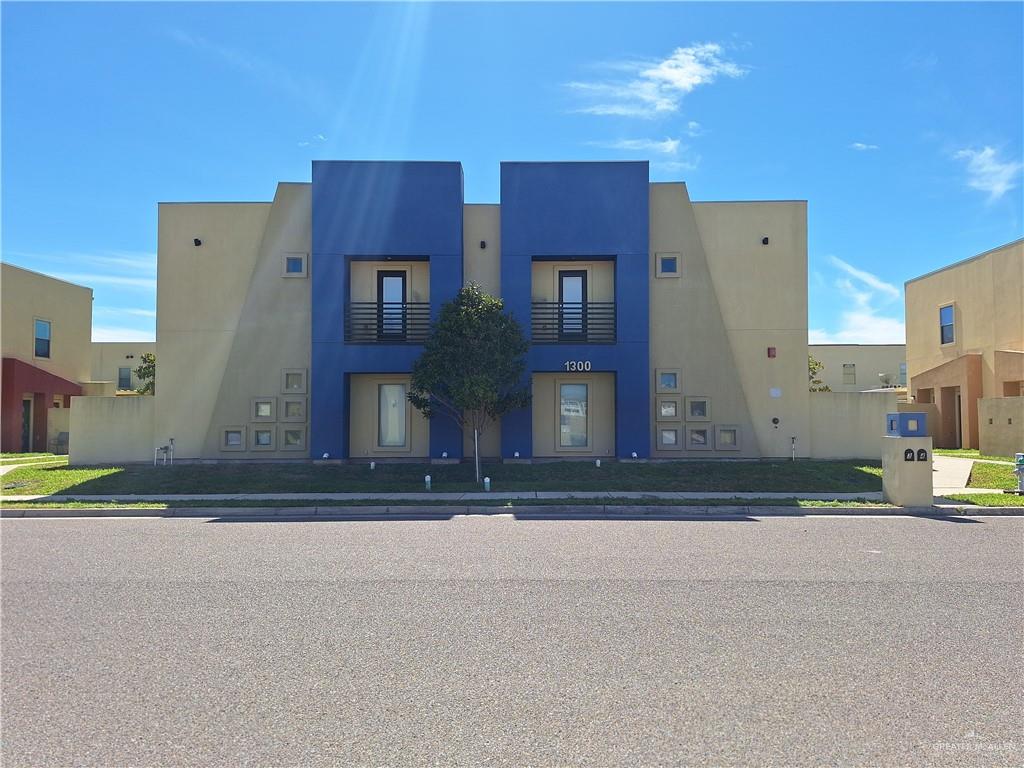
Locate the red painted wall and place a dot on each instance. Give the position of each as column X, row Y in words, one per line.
column 18, row 379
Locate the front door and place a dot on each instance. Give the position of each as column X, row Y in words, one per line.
column 26, row 426
column 391, row 305
column 572, row 304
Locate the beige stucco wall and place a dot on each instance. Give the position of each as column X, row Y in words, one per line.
column 26, row 296
column 363, row 421
column 600, row 414
column 364, row 279
column 112, row 429
column 987, row 292
column 600, row 279
column 57, row 420
column 761, row 292
column 1005, row 435
column 869, row 359
column 849, row 425
column 108, row 356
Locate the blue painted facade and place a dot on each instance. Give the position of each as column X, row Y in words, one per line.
column 413, row 210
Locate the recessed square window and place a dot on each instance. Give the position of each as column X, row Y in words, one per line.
column 727, row 438
column 667, row 265
column 293, row 438
column 263, row 439
column 668, row 408
column 667, row 380
column 293, row 381
column 232, row 439
column 293, row 265
column 698, row 438
column 669, row 438
column 698, row 409
column 294, row 409
column 263, row 408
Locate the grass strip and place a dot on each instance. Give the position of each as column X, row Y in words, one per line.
column 992, row 476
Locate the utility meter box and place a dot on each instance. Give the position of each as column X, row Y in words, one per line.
column 906, row 424
column 907, row 460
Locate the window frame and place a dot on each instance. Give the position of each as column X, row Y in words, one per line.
column 852, row 372
column 708, row 436
column 589, row 446
column 240, row 428
column 36, row 339
column 583, row 275
column 719, row 429
column 124, row 368
column 263, row 428
column 283, row 442
column 284, row 417
column 951, row 306
column 660, row 272
column 304, row 257
column 380, row 275
column 406, row 446
column 659, row 389
column 687, row 410
column 254, row 403
column 676, row 427
column 285, row 372
column 676, row 400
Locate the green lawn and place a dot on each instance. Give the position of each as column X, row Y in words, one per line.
column 969, row 453
column 990, row 499
column 992, row 476
column 783, row 476
column 30, row 458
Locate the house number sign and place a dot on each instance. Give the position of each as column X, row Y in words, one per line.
column 574, row 366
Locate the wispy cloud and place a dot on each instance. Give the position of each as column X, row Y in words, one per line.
column 654, row 88
column 317, row 139
column 987, row 173
column 868, row 317
column 90, row 279
column 120, row 333
column 694, row 129
column 123, row 311
column 665, row 147
column 860, row 146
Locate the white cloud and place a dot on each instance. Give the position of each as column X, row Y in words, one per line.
column 654, row 88
column 694, row 129
column 317, row 139
column 666, row 147
column 860, row 146
column 862, row 321
column 130, row 311
column 120, row 333
column 90, row 279
column 988, row 174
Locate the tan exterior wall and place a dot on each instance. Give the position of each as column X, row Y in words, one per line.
column 600, row 414
column 57, row 420
column 849, row 425
column 1002, row 426
column 26, row 296
column 98, row 389
column 761, row 292
column 600, row 279
column 112, row 429
column 869, row 360
column 364, row 279
column 364, row 415
column 108, row 357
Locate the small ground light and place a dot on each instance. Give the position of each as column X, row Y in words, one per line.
column 373, row 465
column 327, row 455
column 487, row 484
column 634, row 454
column 426, row 481
column 444, row 454
column 516, row 454
column 597, row 463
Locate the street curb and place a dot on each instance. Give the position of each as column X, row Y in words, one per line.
column 604, row 511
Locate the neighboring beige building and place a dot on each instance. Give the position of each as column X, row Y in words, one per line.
column 965, row 349
column 240, row 331
column 861, row 367
column 45, row 328
column 116, row 361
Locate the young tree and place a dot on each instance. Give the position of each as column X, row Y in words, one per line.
column 146, row 372
column 815, row 383
column 473, row 364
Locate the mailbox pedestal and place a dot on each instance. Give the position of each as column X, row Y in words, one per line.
column 907, row 461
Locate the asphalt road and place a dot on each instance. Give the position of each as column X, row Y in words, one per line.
column 496, row 641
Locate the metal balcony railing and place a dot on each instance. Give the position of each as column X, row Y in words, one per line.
column 386, row 322
column 555, row 322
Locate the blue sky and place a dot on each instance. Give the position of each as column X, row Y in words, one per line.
column 901, row 124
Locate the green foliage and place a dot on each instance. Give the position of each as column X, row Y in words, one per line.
column 146, row 372
column 813, row 368
column 473, row 364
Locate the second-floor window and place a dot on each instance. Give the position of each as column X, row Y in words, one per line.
column 849, row 373
column 42, row 338
column 946, row 333
column 391, row 304
column 572, row 300
column 124, row 378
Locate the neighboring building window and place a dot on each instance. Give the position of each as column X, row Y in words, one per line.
column 667, row 265
column 903, row 374
column 42, row 345
column 293, row 265
column 572, row 420
column 849, row 373
column 124, row 378
column 391, row 415
column 946, row 333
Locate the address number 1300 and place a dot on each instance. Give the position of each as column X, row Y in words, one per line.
column 574, row 366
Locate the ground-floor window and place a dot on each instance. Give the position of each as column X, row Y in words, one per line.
column 572, row 431
column 124, row 378
column 391, row 419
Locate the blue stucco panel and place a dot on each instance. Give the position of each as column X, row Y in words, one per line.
column 375, row 210
column 582, row 210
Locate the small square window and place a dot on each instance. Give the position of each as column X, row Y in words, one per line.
column 294, row 409
column 293, row 438
column 232, row 439
column 668, row 408
column 727, row 438
column 667, row 380
column 293, row 265
column 263, row 439
column 698, row 409
column 911, row 425
column 263, row 408
column 669, row 437
column 667, row 265
column 293, row 381
column 697, row 438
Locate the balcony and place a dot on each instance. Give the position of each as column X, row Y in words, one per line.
column 387, row 322
column 555, row 322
